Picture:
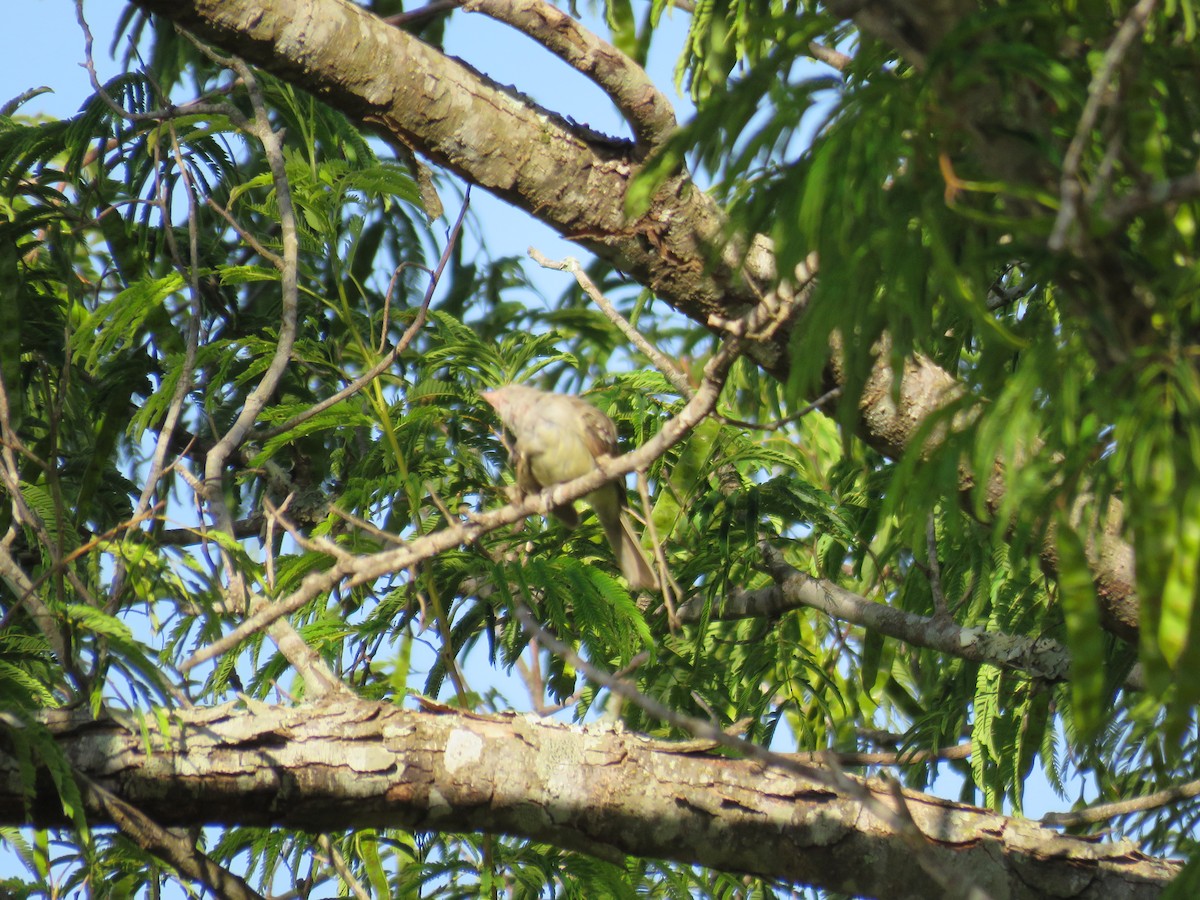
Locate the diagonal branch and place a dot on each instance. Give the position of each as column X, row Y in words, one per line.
column 365, row 569
column 644, row 106
column 1070, row 189
column 669, row 370
column 177, row 849
column 561, row 173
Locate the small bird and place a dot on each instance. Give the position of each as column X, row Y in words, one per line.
column 557, row 438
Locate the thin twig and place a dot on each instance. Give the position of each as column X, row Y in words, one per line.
column 1102, row 812
column 39, row 612
column 422, row 14
column 158, row 463
column 376, row 370
column 367, row 527
column 395, row 279
column 253, row 242
column 1070, row 189
column 23, row 513
column 157, row 115
column 669, row 370
column 289, row 288
column 317, row 673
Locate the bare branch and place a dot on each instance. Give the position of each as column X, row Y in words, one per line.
column 41, row 614
column 257, row 400
column 671, row 371
column 1102, row 812
column 175, row 848
column 252, row 241
column 365, row 569
column 1070, row 189
column 647, row 110
column 339, row 865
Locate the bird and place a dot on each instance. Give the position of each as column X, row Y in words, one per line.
column 557, row 438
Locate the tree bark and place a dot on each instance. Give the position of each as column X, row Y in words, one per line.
column 348, row 764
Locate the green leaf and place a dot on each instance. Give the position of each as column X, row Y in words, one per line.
column 1185, row 885
column 1085, row 636
column 1180, row 585
column 623, row 26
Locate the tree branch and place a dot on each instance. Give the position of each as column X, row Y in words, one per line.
column 176, row 849
column 601, row 792
column 647, row 110
column 1102, row 812
column 573, row 180
column 1070, row 190
column 1042, row 658
column 365, row 569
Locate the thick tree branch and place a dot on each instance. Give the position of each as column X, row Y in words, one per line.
column 565, row 175
column 351, row 764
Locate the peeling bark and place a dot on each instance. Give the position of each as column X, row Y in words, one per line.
column 347, row 765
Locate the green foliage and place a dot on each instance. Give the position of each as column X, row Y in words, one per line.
column 137, row 322
column 935, row 198
column 1078, row 597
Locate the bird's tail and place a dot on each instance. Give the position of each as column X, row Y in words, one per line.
column 629, row 553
